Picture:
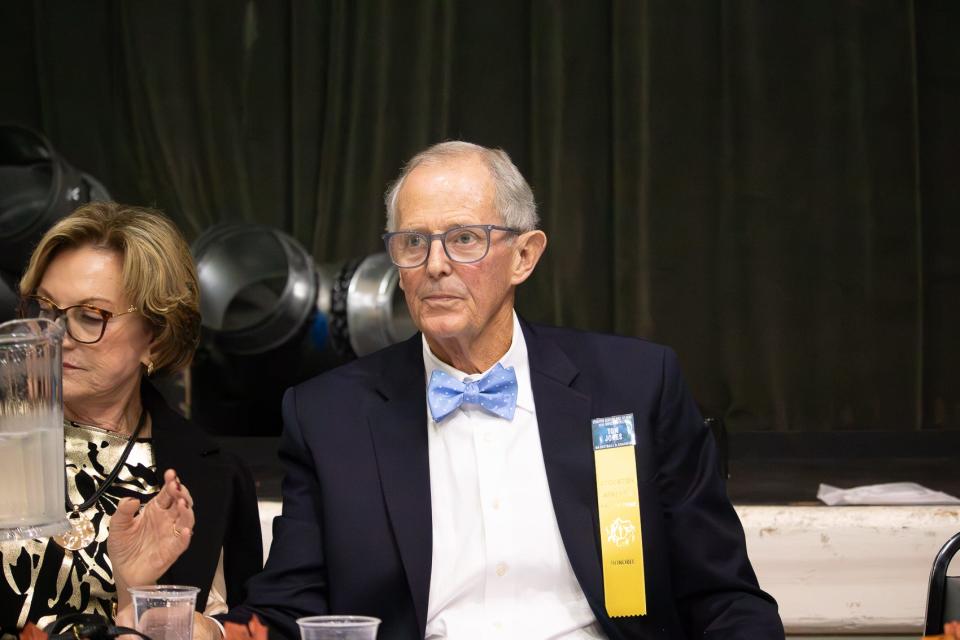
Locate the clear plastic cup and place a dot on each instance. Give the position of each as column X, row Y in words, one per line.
column 338, row 628
column 164, row 611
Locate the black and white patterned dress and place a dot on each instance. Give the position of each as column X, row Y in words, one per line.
column 41, row 580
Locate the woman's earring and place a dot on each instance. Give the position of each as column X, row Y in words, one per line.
column 150, row 368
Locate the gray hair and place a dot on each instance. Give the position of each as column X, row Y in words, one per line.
column 512, row 197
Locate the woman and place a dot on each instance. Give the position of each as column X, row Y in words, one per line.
column 124, row 281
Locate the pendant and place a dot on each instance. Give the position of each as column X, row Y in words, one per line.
column 80, row 534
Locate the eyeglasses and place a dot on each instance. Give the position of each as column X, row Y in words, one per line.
column 85, row 323
column 470, row 243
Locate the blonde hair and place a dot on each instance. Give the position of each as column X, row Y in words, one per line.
column 159, row 277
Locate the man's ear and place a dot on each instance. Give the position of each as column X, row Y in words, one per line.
column 528, row 248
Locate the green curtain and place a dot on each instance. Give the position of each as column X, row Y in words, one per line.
column 768, row 187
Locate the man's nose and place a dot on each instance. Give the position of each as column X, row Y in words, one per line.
column 438, row 264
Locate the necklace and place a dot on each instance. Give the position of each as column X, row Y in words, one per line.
column 81, row 532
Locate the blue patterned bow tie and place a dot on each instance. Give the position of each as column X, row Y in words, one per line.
column 496, row 392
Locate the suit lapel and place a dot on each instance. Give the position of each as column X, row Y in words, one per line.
column 563, row 416
column 187, row 450
column 398, row 426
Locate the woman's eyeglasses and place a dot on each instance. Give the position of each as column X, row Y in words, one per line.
column 84, row 323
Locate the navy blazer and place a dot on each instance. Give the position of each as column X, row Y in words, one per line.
column 355, row 532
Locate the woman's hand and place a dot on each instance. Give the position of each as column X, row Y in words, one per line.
column 142, row 547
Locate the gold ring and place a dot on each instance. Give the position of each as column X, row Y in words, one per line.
column 176, row 531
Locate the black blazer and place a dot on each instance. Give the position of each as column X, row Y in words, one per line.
column 225, row 503
column 355, row 532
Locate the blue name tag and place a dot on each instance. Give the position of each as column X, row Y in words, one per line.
column 615, row 431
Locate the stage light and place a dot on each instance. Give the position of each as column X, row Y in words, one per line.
column 259, row 289
column 37, row 188
column 273, row 318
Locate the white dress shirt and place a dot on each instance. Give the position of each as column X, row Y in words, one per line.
column 499, row 566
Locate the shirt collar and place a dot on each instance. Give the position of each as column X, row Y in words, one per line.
column 516, row 357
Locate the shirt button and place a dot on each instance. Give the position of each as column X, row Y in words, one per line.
column 498, row 626
column 495, row 504
column 502, row 569
column 488, row 437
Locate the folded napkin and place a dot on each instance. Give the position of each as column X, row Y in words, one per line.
column 889, row 493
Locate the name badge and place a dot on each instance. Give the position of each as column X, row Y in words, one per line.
column 618, row 499
column 615, row 431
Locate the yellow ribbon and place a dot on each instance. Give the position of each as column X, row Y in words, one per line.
column 621, row 544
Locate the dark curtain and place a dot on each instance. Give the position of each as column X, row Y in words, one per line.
column 769, row 187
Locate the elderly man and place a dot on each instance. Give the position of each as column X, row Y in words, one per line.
column 491, row 478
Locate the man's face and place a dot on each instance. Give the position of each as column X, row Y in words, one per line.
column 451, row 300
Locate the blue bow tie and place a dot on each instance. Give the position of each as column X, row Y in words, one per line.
column 495, row 392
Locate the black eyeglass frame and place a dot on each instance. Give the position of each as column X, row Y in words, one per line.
column 442, row 237
column 105, row 315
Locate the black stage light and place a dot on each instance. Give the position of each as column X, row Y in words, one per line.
column 37, row 188
column 272, row 318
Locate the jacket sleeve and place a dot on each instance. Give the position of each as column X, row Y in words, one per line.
column 243, row 544
column 293, row 583
column 714, row 584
